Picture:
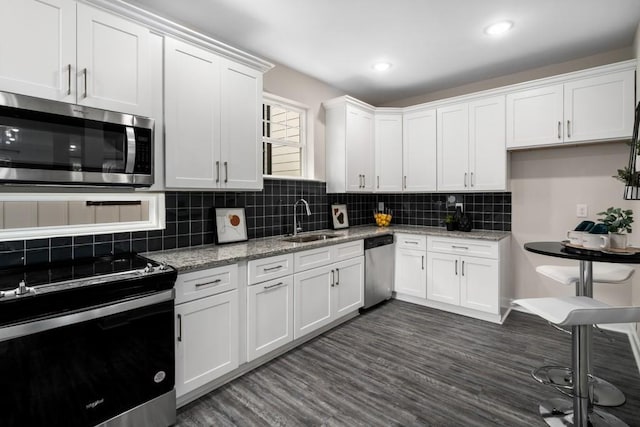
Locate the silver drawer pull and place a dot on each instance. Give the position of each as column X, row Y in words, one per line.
column 277, row 267
column 198, row 285
column 179, row 328
column 460, row 247
column 274, row 286
column 412, row 242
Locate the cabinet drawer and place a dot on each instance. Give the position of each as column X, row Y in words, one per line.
column 200, row 284
column 269, row 268
column 312, row 258
column 411, row 241
column 479, row 248
column 348, row 250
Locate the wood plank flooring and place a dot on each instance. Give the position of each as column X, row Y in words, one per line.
column 405, row 365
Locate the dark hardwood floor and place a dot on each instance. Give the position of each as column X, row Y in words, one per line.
column 405, row 365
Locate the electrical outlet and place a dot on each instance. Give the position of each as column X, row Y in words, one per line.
column 582, row 210
column 380, row 206
column 461, row 206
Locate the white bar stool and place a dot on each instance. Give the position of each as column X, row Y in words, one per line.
column 605, row 393
column 580, row 313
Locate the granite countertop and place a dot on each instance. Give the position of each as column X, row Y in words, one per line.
column 209, row 256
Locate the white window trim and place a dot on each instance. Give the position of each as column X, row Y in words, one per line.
column 306, row 142
column 156, row 219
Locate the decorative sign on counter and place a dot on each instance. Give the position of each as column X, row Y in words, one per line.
column 231, row 225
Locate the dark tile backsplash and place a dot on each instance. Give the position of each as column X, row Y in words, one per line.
column 190, row 219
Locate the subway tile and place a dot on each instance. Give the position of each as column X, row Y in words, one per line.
column 37, row 243
column 11, row 259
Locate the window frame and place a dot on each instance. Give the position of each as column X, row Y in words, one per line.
column 306, row 139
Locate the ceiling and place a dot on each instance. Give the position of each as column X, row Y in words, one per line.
column 431, row 44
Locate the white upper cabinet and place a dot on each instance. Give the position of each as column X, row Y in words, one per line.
column 112, row 63
column 388, row 142
column 350, row 150
column 453, row 147
column 419, row 151
column 74, row 53
column 596, row 107
column 38, row 48
column 212, row 120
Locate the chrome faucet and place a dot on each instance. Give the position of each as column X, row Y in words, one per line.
column 296, row 227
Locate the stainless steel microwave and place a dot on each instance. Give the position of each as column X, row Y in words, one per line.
column 55, row 143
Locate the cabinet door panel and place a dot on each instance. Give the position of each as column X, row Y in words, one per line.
column 443, row 278
column 37, row 47
column 479, row 284
column 487, row 150
column 192, row 116
column 599, row 107
column 410, row 273
column 535, row 117
column 419, row 151
column 353, row 137
column 388, row 141
column 115, row 54
column 241, row 139
column 453, row 147
column 269, row 316
column 207, row 343
column 312, row 300
column 348, row 292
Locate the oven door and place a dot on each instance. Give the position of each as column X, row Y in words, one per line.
column 85, row 368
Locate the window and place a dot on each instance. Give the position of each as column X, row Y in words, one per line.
column 283, row 137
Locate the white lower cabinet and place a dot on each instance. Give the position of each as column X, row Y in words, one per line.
column 207, row 343
column 410, row 277
column 348, row 292
column 444, row 284
column 312, row 291
column 207, row 333
column 269, row 316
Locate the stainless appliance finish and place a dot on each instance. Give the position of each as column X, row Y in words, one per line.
column 378, row 269
column 52, row 143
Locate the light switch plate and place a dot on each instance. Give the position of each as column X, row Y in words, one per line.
column 380, row 206
column 582, row 210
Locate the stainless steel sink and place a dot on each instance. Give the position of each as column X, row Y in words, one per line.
column 310, row 238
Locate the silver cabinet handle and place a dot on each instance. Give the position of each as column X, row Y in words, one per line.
column 405, row 182
column 84, row 72
column 333, row 278
column 226, row 172
column 359, row 180
column 277, row 267
column 337, row 276
column 559, row 130
column 199, row 285
column 274, row 285
column 460, row 247
column 568, row 128
column 412, row 242
column 463, row 268
column 456, row 267
column 364, row 181
column 378, row 181
column 471, row 180
column 179, row 327
column 465, row 180
column 217, row 171
column 423, row 262
column 69, row 80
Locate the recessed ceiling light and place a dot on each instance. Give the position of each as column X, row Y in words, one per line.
column 381, row 66
column 498, row 28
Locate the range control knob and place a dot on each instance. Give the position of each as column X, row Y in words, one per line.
column 163, row 266
column 148, row 268
column 23, row 289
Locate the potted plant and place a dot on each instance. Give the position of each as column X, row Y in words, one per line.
column 617, row 221
column 450, row 223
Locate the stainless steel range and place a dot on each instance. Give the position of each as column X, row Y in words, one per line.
column 85, row 343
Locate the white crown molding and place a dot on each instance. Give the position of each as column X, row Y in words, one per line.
column 166, row 27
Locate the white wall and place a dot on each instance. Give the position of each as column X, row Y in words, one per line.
column 291, row 84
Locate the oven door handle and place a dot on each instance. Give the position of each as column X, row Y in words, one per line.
column 23, row 329
column 131, row 150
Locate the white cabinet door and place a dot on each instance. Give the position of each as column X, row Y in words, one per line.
column 113, row 62
column 410, row 276
column 312, row 300
column 599, row 107
column 192, row 116
column 388, row 142
column 269, row 316
column 38, row 48
column 443, row 278
column 348, row 292
column 479, row 284
column 360, row 150
column 207, row 340
column 419, row 151
column 487, row 150
column 241, row 139
column 535, row 117
column 453, row 147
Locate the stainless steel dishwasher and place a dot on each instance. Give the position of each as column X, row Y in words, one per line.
column 378, row 269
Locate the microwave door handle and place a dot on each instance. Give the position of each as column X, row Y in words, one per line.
column 131, row 150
